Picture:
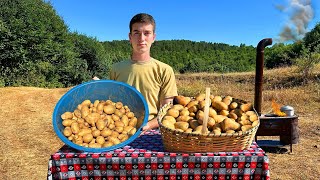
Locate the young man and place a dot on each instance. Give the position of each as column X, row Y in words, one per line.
column 154, row 79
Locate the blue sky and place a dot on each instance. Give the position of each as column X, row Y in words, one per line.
column 231, row 21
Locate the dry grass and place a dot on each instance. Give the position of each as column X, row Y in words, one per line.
column 28, row 140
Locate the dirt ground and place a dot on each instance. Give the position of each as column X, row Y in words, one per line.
column 28, row 139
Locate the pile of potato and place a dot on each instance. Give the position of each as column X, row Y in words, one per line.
column 99, row 124
column 226, row 115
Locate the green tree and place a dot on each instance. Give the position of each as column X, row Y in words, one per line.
column 310, row 56
column 35, row 46
column 93, row 54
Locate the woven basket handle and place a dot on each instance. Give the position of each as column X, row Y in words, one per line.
column 204, row 129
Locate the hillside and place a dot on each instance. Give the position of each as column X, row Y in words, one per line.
column 28, row 140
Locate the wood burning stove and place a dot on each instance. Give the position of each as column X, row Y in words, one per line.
column 271, row 125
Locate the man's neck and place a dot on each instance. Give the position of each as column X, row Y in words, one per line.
column 141, row 57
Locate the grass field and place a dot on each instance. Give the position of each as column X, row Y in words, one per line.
column 28, row 139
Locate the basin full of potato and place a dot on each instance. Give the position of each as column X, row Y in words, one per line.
column 99, row 116
column 102, row 123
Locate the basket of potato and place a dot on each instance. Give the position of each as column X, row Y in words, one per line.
column 100, row 116
column 207, row 123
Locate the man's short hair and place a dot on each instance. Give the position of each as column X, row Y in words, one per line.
column 143, row 18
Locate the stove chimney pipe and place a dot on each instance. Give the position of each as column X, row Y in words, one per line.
column 259, row 73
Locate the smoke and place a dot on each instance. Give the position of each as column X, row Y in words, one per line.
column 300, row 14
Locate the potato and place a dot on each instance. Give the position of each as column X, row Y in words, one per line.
column 194, row 123
column 169, row 118
column 123, row 137
column 105, row 132
column 85, row 111
column 178, row 107
column 100, row 140
column 109, row 109
column 114, row 140
column 192, row 103
column 184, row 112
column 100, row 107
column 200, row 115
column 125, row 120
column 96, row 133
column 224, row 112
column 229, row 124
column 92, row 118
column 219, row 105
column 115, row 117
column 87, row 138
column 249, row 113
column 253, row 117
column 114, row 134
column 130, row 115
column 217, row 98
column 77, row 113
column 245, row 122
column 246, row 107
column 193, row 109
column 227, row 101
column 67, row 115
column 254, row 123
column 200, row 97
column 119, row 105
column 119, row 129
column 119, row 124
column 75, row 128
column 118, row 113
column 132, row 131
column 181, row 125
column 95, row 145
column 107, row 144
column 101, row 124
column 133, row 122
column 86, row 102
column 168, row 124
column 230, row 131
column 216, row 131
column 111, row 126
column 67, row 131
column 67, row 122
column 232, row 116
column 183, row 118
column 245, row 128
column 233, row 105
column 201, row 104
column 182, row 100
column 83, row 132
column 173, row 112
column 212, row 112
column 127, row 129
column 219, row 118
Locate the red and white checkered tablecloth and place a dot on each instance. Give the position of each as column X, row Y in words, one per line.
column 145, row 158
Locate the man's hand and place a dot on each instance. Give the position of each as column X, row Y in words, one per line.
column 152, row 124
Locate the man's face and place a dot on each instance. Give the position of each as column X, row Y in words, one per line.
column 141, row 37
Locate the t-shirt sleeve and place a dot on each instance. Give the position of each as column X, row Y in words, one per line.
column 169, row 86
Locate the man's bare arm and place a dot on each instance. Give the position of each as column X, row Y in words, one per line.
column 152, row 124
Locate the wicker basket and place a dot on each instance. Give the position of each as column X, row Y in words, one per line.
column 176, row 141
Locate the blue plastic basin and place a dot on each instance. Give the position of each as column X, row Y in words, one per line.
column 101, row 90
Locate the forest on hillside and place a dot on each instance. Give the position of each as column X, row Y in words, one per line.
column 37, row 49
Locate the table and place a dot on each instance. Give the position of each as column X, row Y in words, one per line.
column 145, row 158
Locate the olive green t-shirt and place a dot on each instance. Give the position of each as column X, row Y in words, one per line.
column 154, row 79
